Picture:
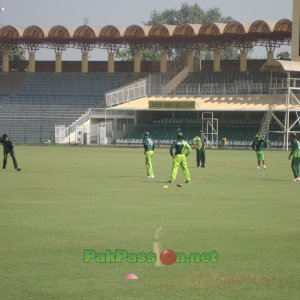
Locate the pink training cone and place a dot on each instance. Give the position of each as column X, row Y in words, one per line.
column 131, row 276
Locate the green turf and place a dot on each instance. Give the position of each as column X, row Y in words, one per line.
column 67, row 199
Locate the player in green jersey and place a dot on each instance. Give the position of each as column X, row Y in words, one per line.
column 199, row 143
column 149, row 152
column 295, row 154
column 258, row 147
column 182, row 150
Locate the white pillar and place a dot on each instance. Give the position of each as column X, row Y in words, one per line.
column 217, row 60
column 111, row 62
column 190, row 60
column 243, row 60
column 137, row 61
column 31, row 64
column 5, row 60
column 58, row 61
column 85, row 62
column 164, row 61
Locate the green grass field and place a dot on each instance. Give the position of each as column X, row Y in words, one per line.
column 67, row 199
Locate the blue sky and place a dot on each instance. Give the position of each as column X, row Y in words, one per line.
column 125, row 12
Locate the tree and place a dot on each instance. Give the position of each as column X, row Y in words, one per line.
column 283, row 55
column 192, row 14
column 16, row 54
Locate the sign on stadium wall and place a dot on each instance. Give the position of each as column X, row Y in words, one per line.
column 172, row 104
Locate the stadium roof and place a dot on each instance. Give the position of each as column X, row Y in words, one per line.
column 281, row 66
column 211, row 34
column 211, row 103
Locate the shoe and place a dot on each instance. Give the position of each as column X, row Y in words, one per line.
column 2, row 170
column 258, row 167
column 265, row 166
column 297, row 179
column 188, row 181
column 18, row 169
column 202, row 166
column 150, row 176
column 171, row 181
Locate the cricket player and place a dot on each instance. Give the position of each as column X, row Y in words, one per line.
column 149, row 152
column 258, row 147
column 8, row 148
column 199, row 143
column 182, row 150
column 295, row 153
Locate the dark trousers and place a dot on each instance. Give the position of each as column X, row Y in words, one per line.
column 12, row 154
column 200, row 157
column 295, row 166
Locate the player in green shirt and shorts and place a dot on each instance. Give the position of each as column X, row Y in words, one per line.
column 258, row 147
column 295, row 153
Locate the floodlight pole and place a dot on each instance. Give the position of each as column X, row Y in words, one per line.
column 2, row 9
column 287, row 124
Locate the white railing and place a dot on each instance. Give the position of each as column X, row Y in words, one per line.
column 102, row 113
column 253, row 88
column 127, row 93
column 80, row 121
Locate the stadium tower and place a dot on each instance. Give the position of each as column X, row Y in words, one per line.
column 296, row 31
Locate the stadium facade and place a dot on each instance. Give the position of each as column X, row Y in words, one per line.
column 115, row 107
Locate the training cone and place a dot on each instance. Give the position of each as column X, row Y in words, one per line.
column 131, row 276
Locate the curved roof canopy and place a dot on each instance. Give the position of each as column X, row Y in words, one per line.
column 84, row 31
column 212, row 28
column 186, row 29
column 259, row 32
column 281, row 66
column 236, row 27
column 161, row 30
column 59, row 31
column 261, row 26
column 33, row 31
column 110, row 31
column 9, row 31
column 135, row 31
column 283, row 25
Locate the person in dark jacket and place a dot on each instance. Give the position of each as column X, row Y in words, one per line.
column 8, row 148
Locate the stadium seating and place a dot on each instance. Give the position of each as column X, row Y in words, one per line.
column 225, row 83
column 31, row 104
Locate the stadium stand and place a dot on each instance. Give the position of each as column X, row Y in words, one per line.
column 31, row 104
column 238, row 132
column 226, row 82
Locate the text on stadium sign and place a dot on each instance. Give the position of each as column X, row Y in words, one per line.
column 172, row 104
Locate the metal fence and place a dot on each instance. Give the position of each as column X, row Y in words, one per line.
column 250, row 88
column 229, row 136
